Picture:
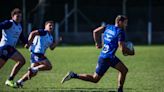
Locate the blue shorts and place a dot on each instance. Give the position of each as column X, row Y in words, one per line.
column 104, row 63
column 6, row 52
column 37, row 57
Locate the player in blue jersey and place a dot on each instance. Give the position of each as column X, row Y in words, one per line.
column 114, row 36
column 38, row 42
column 11, row 32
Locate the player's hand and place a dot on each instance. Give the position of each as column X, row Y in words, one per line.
column 58, row 41
column 128, row 52
column 98, row 45
column 26, row 46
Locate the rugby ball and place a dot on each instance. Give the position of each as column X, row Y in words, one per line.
column 129, row 45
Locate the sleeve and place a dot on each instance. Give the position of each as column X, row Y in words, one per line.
column 42, row 32
column 121, row 36
column 5, row 25
column 23, row 39
column 105, row 27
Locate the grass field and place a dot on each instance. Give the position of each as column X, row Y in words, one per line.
column 146, row 71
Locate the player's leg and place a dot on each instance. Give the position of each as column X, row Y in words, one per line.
column 85, row 77
column 90, row 77
column 121, row 75
column 35, row 67
column 2, row 63
column 43, row 66
column 20, row 61
column 101, row 68
column 44, row 63
column 3, row 56
column 27, row 76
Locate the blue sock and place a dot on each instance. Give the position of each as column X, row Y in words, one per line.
column 75, row 75
column 120, row 89
column 11, row 78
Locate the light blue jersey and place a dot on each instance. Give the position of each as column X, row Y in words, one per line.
column 112, row 35
column 10, row 33
column 41, row 42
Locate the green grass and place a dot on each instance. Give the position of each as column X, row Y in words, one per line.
column 146, row 71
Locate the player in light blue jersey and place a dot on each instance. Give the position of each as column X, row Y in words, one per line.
column 11, row 32
column 114, row 36
column 39, row 41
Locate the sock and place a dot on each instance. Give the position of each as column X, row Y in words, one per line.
column 20, row 81
column 75, row 75
column 11, row 78
column 120, row 89
column 34, row 69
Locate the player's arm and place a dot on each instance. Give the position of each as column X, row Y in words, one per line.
column 31, row 38
column 5, row 25
column 97, row 36
column 54, row 44
column 23, row 39
column 121, row 44
column 124, row 49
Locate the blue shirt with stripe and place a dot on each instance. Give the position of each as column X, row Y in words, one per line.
column 112, row 35
column 11, row 32
column 41, row 42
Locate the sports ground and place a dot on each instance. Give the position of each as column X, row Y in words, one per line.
column 146, row 71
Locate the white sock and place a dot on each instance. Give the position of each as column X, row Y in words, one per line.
column 34, row 69
column 20, row 81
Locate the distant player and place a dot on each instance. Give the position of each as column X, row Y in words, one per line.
column 39, row 41
column 11, row 31
column 114, row 36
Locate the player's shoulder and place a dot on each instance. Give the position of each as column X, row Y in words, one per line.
column 109, row 26
column 7, row 22
column 119, row 30
column 42, row 32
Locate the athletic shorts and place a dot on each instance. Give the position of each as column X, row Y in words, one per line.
column 104, row 63
column 6, row 52
column 37, row 57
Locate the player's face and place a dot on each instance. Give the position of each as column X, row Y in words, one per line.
column 17, row 17
column 49, row 27
column 123, row 24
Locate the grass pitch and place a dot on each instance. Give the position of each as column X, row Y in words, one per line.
column 146, row 71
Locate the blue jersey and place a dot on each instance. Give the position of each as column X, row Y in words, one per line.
column 41, row 42
column 112, row 35
column 11, row 32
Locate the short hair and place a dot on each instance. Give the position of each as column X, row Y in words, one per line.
column 49, row 21
column 120, row 18
column 15, row 11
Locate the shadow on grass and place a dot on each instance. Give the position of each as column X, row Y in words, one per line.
column 48, row 89
column 84, row 89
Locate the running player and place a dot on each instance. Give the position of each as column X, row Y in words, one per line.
column 11, row 31
column 114, row 36
column 39, row 41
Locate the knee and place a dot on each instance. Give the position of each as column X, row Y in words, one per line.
column 31, row 74
column 49, row 67
column 96, row 79
column 22, row 61
column 125, row 71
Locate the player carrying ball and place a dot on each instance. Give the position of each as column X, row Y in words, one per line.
column 114, row 36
